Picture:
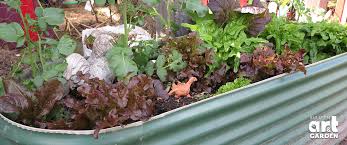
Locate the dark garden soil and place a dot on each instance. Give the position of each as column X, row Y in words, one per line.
column 8, row 58
column 173, row 103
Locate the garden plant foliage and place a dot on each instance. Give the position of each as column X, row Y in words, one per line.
column 224, row 50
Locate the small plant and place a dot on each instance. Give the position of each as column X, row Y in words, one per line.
column 264, row 63
column 237, row 83
column 22, row 105
column 193, row 7
column 172, row 62
column 320, row 40
column 228, row 42
column 46, row 57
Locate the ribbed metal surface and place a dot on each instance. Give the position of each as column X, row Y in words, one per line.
column 275, row 111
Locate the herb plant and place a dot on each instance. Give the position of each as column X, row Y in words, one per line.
column 237, row 83
column 228, row 42
column 320, row 40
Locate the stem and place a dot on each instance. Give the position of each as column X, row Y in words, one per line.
column 40, row 54
column 168, row 9
column 18, row 65
column 39, row 43
column 160, row 17
column 93, row 10
column 25, row 24
column 38, row 1
column 126, row 31
column 110, row 13
column 27, row 36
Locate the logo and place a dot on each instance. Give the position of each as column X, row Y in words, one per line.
column 323, row 129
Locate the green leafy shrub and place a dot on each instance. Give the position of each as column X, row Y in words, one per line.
column 321, row 40
column 237, row 83
column 228, row 42
column 46, row 57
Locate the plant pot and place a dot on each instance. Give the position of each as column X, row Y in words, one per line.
column 273, row 111
column 100, row 3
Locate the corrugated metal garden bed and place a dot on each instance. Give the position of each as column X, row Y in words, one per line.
column 273, row 111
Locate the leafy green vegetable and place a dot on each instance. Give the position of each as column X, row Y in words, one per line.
column 196, row 6
column 228, row 42
column 144, row 52
column 282, row 33
column 320, row 40
column 149, row 68
column 66, row 45
column 52, row 63
column 121, row 63
column 238, row 83
column 15, row 4
column 161, row 70
column 175, row 61
column 54, row 16
column 12, row 32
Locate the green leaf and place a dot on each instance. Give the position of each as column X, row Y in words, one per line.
column 149, row 68
column 54, row 16
column 151, row 2
column 15, row 4
column 2, row 89
column 162, row 73
column 177, row 63
column 38, row 81
column 238, row 83
column 39, row 11
column 50, row 41
column 66, row 45
column 160, row 62
column 141, row 59
column 29, row 59
column 42, row 23
column 60, row 67
column 20, row 42
column 47, row 75
column 120, row 62
column 11, row 32
column 196, row 6
column 31, row 22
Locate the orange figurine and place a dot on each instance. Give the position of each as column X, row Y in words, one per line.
column 182, row 89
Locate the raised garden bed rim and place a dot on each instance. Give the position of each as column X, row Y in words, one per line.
column 139, row 123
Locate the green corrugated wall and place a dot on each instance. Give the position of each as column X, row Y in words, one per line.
column 275, row 111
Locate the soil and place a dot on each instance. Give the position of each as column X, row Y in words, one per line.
column 8, row 58
column 173, row 103
column 82, row 19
